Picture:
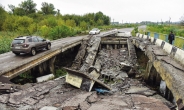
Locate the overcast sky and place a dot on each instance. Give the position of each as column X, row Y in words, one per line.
column 119, row 10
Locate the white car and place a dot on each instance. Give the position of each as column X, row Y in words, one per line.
column 94, row 31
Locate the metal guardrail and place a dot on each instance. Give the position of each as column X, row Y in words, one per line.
column 178, row 42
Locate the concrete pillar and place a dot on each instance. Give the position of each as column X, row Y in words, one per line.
column 168, row 94
column 51, row 64
column 45, row 66
column 158, row 79
column 151, row 76
column 115, row 46
column 40, row 68
column 107, row 46
column 118, row 46
column 100, row 46
column 122, row 46
column 148, row 69
column 34, row 71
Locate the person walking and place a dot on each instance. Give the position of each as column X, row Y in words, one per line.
column 171, row 37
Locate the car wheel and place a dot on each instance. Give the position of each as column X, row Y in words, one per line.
column 33, row 51
column 16, row 53
column 48, row 46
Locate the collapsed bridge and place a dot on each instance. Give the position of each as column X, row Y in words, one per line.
column 101, row 60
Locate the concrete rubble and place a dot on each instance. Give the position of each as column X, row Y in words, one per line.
column 58, row 94
column 162, row 62
column 108, row 67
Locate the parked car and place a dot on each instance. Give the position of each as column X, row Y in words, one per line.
column 94, row 31
column 29, row 44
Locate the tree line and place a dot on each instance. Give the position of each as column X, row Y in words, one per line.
column 25, row 19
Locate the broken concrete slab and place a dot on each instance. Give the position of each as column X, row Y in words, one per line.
column 140, row 90
column 74, row 80
column 165, row 67
column 45, row 78
column 92, row 52
column 125, row 66
column 143, row 102
column 86, row 77
column 110, row 103
column 4, row 98
column 94, row 75
column 63, row 94
column 4, row 80
column 122, row 75
column 84, row 105
column 92, row 98
column 166, row 102
column 76, row 100
column 80, row 55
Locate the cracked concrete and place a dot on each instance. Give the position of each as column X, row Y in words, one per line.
column 126, row 93
column 166, row 66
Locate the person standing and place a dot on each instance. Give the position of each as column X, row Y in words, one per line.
column 171, row 37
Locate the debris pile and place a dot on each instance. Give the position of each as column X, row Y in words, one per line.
column 101, row 75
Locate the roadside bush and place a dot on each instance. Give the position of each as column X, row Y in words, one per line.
column 10, row 23
column 60, row 32
column 44, row 31
column 60, row 72
column 24, row 24
column 5, row 43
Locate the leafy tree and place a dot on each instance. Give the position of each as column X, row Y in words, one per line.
column 19, row 11
column 100, row 22
column 44, row 31
column 60, row 32
column 106, row 20
column 3, row 14
column 28, row 6
column 58, row 12
column 24, row 24
column 98, row 15
column 10, row 23
column 12, row 8
column 70, row 23
column 83, row 25
column 60, row 21
column 48, row 8
column 51, row 21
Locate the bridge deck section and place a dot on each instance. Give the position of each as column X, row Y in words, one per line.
column 170, row 70
column 11, row 65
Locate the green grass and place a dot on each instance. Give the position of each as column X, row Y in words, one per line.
column 24, row 78
column 5, row 43
column 179, row 41
column 162, row 36
column 60, row 72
